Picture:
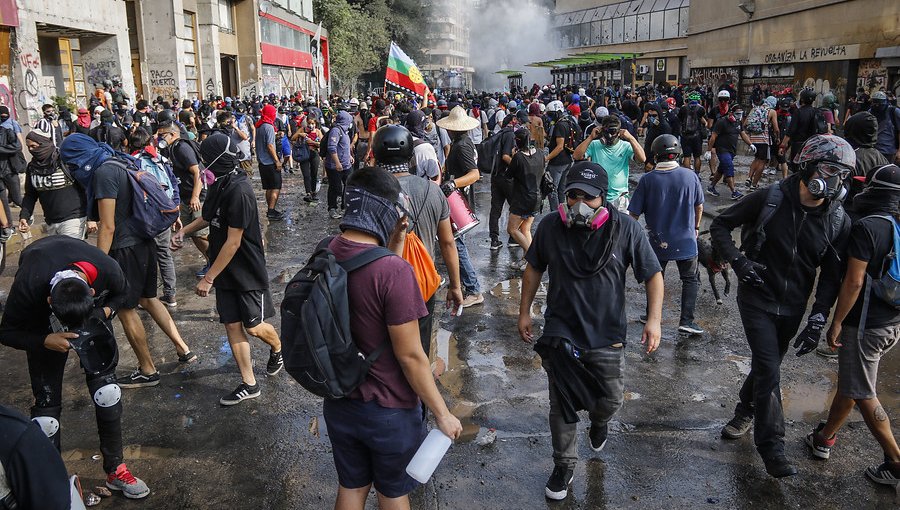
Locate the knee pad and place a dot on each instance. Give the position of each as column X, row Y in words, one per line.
column 108, row 395
column 48, row 424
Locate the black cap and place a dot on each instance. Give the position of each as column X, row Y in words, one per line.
column 588, row 177
column 884, row 177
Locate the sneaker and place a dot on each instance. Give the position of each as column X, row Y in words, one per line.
column 473, row 299
column 518, row 264
column 597, row 436
column 737, row 427
column 168, row 300
column 691, row 329
column 275, row 364
column 201, row 273
column 137, row 379
column 241, row 393
column 274, row 215
column 123, row 480
column 825, row 351
column 753, row 187
column 496, row 244
column 188, row 357
column 779, row 467
column 558, row 485
column 748, row 183
column 888, row 473
column 334, row 213
column 512, row 243
column 819, row 446
column 712, row 191
column 737, row 195
column 308, row 198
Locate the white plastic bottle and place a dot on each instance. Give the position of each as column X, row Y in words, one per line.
column 428, row 456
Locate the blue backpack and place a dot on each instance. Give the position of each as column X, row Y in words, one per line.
column 152, row 210
column 887, row 288
column 161, row 168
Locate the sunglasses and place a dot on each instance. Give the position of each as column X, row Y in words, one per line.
column 577, row 194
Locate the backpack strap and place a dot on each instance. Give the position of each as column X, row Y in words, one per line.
column 364, row 258
column 774, row 196
column 864, row 312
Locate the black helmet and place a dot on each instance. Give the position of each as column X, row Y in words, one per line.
column 165, row 117
column 392, row 145
column 807, row 96
column 665, row 148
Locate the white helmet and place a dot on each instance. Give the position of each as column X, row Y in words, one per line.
column 543, row 107
column 723, row 93
column 555, row 106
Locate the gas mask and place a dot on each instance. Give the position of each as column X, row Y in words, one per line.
column 583, row 216
column 610, row 137
column 736, row 116
column 829, row 183
column 51, row 115
column 653, row 120
column 161, row 142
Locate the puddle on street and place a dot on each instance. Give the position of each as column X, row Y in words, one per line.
column 509, row 293
column 131, row 452
column 742, row 362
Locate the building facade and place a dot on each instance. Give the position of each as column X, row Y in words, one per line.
column 446, row 65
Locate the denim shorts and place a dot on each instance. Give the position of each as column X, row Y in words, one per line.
column 726, row 164
column 373, row 444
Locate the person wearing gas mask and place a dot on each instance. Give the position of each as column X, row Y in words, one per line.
column 656, row 124
column 723, row 144
column 806, row 122
column 50, row 124
column 587, row 246
column 792, row 231
column 613, row 148
column 238, row 263
column 888, row 116
column 62, row 298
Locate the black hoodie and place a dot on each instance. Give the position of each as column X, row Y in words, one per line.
column 796, row 246
column 861, row 130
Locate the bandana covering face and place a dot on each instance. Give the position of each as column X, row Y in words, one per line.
column 370, row 214
column 267, row 115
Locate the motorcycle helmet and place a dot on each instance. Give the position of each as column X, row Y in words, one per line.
column 666, row 148
column 392, row 145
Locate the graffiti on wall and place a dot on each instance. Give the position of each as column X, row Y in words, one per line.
column 31, row 97
column 714, row 76
column 871, row 75
column 210, row 88
column 249, row 89
column 163, row 83
column 99, row 71
column 824, row 78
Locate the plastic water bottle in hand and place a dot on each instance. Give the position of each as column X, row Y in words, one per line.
column 428, row 456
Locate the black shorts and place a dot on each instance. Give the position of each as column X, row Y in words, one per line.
column 373, row 444
column 138, row 262
column 763, row 151
column 270, row 176
column 249, row 307
column 692, row 147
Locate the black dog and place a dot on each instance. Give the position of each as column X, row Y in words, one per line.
column 713, row 262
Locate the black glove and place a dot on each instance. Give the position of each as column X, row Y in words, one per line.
column 448, row 187
column 747, row 271
column 808, row 339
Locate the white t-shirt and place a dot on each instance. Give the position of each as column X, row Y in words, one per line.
column 476, row 134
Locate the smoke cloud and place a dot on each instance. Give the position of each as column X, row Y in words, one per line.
column 507, row 34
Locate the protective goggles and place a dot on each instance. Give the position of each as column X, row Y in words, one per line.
column 830, row 169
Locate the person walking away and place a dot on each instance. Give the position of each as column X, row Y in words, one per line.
column 806, row 122
column 865, row 326
column 526, row 171
column 269, row 162
column 12, row 161
column 108, row 132
column 723, row 143
column 375, row 432
column 428, row 211
column 587, row 246
column 559, row 159
column 671, row 200
column 797, row 230
column 693, row 132
column 361, row 121
column 64, row 285
column 46, row 181
column 424, row 162
column 238, row 269
column 338, row 162
column 888, row 116
column 501, row 184
column 461, row 171
column 108, row 189
column 861, row 131
column 758, row 125
column 613, row 148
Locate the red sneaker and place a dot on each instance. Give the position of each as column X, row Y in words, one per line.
column 123, row 480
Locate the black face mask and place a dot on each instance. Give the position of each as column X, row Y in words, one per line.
column 4, row 118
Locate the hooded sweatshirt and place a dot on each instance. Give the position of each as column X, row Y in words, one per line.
column 861, row 130
column 47, row 182
column 339, row 141
column 82, row 155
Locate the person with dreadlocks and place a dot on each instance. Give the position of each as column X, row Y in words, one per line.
column 866, row 325
column 587, row 246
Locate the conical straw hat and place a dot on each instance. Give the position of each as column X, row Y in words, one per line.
column 458, row 120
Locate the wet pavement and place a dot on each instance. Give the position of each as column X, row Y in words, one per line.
column 273, row 452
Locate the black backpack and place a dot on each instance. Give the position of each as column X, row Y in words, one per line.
column 492, row 121
column 323, row 145
column 319, row 352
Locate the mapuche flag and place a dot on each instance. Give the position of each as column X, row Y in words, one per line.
column 403, row 73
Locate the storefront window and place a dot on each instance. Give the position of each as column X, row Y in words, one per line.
column 634, row 20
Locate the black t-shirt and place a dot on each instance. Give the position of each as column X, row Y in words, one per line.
column 109, row 134
column 589, row 311
column 871, row 240
column 34, row 470
column 111, row 181
column 461, row 158
column 697, row 111
column 183, row 157
column 802, row 127
column 507, row 143
column 561, row 129
column 232, row 203
column 631, row 109
column 727, row 134
column 526, row 171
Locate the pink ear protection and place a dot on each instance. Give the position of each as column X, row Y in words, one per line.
column 595, row 222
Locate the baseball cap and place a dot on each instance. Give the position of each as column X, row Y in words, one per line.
column 884, row 177
column 588, row 177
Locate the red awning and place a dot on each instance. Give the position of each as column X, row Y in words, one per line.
column 9, row 15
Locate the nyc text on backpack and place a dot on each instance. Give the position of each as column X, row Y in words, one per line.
column 756, row 122
column 319, row 352
column 152, row 210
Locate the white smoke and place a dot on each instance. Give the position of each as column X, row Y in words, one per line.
column 507, row 34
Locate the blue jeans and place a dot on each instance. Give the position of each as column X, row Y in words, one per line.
column 466, row 271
